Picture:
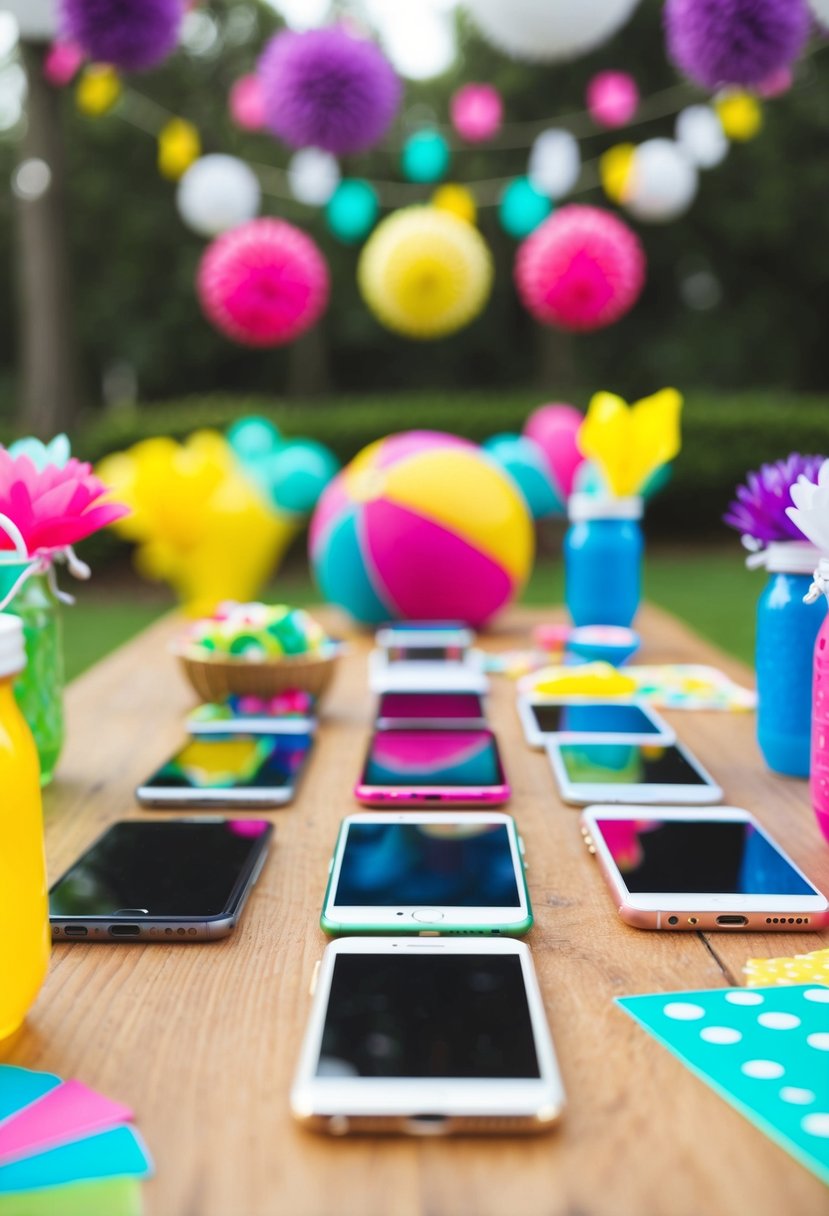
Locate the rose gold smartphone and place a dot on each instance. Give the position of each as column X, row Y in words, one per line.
column 694, row 868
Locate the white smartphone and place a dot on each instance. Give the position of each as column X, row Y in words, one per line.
column 631, row 772
column 426, row 669
column 212, row 723
column 683, row 868
column 427, row 872
column 578, row 718
column 235, row 770
column 453, row 635
column 427, row 1036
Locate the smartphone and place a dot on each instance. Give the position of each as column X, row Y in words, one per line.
column 430, row 767
column 229, row 770
column 217, row 720
column 452, row 635
column 428, row 1037
column 427, row 872
column 179, row 880
column 426, row 669
column 683, row 868
column 570, row 719
column 445, row 710
column 631, row 772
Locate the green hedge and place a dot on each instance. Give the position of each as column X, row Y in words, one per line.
column 723, row 435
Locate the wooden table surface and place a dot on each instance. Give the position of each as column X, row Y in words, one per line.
column 201, row 1040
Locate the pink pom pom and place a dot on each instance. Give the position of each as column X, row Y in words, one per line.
column 612, row 98
column 476, row 111
column 63, row 59
column 246, row 105
column 580, row 270
column 776, row 84
column 263, row 283
column 553, row 428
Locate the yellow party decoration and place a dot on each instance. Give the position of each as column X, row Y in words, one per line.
column 178, row 146
column 199, row 523
column 425, row 273
column 615, row 167
column 628, row 443
column 795, row 969
column 457, row 200
column 97, row 90
column 740, row 113
column 597, row 679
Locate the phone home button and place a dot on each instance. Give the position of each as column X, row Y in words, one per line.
column 427, row 916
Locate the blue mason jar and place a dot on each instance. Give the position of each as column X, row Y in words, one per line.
column 603, row 559
column 786, row 633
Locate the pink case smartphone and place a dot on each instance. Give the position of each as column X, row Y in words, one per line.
column 423, row 768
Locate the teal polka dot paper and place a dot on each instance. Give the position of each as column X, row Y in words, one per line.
column 765, row 1050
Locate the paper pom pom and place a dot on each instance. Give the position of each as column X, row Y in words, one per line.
column 581, row 270
column 425, row 157
column 424, row 273
column 760, row 509
column 741, row 115
column 614, row 170
column 776, row 84
column 555, row 163
column 546, row 30
column 352, row 210
column 457, row 200
column 662, row 183
column 132, row 35
column 820, row 8
column 700, row 135
column 522, row 208
column 62, row 63
column 612, row 98
column 326, row 89
column 717, row 42
column 97, row 90
column 216, row 193
column 264, row 283
column 247, row 109
column 313, row 176
column 178, row 147
column 476, row 111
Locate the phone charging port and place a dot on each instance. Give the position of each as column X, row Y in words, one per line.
column 124, row 930
column 427, row 1125
column 76, row 931
column 732, row 920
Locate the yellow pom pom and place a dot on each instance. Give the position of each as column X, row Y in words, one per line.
column 424, row 272
column 97, row 90
column 457, row 200
column 615, row 166
column 740, row 113
column 178, row 146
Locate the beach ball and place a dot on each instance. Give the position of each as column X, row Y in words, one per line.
column 422, row 525
column 524, row 461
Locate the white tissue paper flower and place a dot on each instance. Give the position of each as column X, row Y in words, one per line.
column 811, row 508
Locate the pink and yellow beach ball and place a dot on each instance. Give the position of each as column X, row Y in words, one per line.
column 422, row 526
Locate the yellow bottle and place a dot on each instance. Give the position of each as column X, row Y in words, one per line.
column 25, row 936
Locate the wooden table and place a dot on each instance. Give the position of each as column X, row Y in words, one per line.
column 201, row 1040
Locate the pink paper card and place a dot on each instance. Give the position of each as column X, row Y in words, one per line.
column 68, row 1112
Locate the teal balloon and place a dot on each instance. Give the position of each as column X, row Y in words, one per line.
column 298, row 473
column 522, row 208
column 253, row 438
column 352, row 210
column 658, row 479
column 425, row 157
column 523, row 461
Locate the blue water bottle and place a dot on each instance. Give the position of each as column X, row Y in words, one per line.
column 603, row 559
column 786, row 633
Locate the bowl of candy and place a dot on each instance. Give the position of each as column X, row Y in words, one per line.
column 256, row 650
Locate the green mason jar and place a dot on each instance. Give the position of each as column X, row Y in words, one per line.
column 39, row 688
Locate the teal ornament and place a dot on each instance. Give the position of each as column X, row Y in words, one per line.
column 522, row 208
column 352, row 210
column 298, row 473
column 253, row 438
column 425, row 157
column 57, row 452
column 522, row 460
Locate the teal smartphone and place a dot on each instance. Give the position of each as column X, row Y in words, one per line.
column 428, row 872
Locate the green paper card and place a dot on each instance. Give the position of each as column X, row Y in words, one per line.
column 111, row 1197
column 765, row 1050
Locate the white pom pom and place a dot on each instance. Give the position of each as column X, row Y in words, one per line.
column 216, row 193
column 662, row 184
column 313, row 176
column 700, row 135
column 546, row 30
column 555, row 163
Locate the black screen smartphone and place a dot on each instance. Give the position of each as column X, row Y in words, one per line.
column 177, row 880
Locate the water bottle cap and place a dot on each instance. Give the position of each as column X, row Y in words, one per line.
column 583, row 507
column 12, row 645
column 790, row 557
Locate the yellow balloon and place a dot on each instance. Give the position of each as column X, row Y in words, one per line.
column 741, row 115
column 615, row 166
column 178, row 146
column 628, row 443
column 457, row 200
column 97, row 90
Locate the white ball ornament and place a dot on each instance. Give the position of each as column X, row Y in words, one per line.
column 313, row 176
column 662, row 184
column 547, row 30
column 820, row 8
column 555, row 162
column 217, row 193
column 700, row 135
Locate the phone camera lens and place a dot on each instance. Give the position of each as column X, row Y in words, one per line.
column 673, row 920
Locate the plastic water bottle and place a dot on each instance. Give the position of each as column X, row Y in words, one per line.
column 25, row 939
column 786, row 632
column 820, row 711
column 603, row 559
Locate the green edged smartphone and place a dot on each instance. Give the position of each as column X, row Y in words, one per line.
column 427, row 872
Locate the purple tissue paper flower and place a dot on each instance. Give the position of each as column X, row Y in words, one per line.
column 742, row 42
column 327, row 89
column 759, row 509
column 129, row 34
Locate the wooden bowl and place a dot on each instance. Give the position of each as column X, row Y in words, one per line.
column 216, row 679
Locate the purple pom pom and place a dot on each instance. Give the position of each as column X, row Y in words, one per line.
column 718, row 42
column 759, row 510
column 327, row 89
column 129, row 34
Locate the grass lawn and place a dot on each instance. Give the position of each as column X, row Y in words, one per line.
column 709, row 588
